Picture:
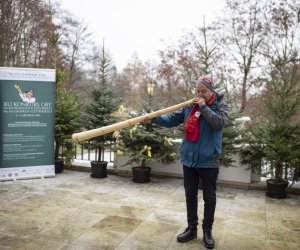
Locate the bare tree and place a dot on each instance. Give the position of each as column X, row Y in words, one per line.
column 168, row 75
column 131, row 82
column 76, row 44
column 283, row 39
column 24, row 30
column 241, row 34
column 197, row 54
column 282, row 54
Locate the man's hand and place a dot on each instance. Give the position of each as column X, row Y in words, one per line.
column 17, row 86
column 199, row 100
column 146, row 119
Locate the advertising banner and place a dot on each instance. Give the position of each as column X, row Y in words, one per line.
column 27, row 100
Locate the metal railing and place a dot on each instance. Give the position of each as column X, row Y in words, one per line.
column 86, row 151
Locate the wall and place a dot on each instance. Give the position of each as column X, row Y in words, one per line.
column 238, row 173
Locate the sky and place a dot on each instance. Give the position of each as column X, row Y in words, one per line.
column 141, row 26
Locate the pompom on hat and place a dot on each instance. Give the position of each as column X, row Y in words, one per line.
column 207, row 82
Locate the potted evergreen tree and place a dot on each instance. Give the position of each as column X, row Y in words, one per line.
column 231, row 139
column 67, row 110
column 99, row 112
column 276, row 136
column 274, row 141
column 146, row 142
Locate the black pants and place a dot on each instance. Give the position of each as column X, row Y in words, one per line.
column 191, row 182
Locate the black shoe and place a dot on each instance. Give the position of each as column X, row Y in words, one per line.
column 208, row 240
column 189, row 234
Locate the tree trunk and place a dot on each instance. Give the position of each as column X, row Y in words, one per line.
column 278, row 170
column 244, row 86
column 143, row 165
column 56, row 152
column 100, row 152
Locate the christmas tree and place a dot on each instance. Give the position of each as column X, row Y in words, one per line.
column 99, row 111
column 146, row 141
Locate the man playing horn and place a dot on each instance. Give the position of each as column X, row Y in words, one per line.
column 200, row 154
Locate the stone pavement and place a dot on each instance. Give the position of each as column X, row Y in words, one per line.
column 75, row 211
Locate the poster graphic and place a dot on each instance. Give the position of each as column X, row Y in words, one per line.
column 27, row 101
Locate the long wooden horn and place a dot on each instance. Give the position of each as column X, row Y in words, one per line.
column 77, row 137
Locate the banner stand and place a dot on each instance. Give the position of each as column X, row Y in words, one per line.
column 27, row 99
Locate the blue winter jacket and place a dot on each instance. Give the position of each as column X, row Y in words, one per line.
column 206, row 152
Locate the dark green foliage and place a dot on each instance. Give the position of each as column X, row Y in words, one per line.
column 275, row 141
column 277, row 145
column 67, row 110
column 231, row 139
column 99, row 113
column 148, row 135
column 232, row 131
column 99, row 110
column 252, row 152
column 135, row 141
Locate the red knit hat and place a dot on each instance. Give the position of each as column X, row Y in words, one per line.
column 207, row 82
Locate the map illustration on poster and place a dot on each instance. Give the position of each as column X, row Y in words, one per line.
column 27, row 99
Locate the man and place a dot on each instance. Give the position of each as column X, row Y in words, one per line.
column 27, row 96
column 200, row 153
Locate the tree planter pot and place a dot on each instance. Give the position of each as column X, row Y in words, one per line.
column 276, row 190
column 99, row 169
column 59, row 165
column 141, row 174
